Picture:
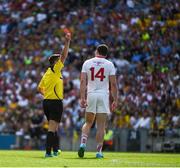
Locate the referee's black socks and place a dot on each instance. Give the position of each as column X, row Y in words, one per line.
column 56, row 142
column 49, row 142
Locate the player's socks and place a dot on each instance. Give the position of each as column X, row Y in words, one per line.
column 49, row 142
column 84, row 138
column 99, row 147
column 56, row 143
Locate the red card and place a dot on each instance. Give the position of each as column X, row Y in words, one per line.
column 66, row 30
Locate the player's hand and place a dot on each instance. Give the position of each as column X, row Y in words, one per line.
column 114, row 105
column 83, row 103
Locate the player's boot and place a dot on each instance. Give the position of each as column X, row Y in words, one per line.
column 99, row 155
column 57, row 153
column 48, row 155
column 81, row 150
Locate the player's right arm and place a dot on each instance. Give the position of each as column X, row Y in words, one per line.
column 83, row 86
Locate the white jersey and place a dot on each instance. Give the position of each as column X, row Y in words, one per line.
column 98, row 71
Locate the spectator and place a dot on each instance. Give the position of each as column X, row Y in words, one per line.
column 144, row 42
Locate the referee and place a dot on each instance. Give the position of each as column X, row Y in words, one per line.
column 51, row 87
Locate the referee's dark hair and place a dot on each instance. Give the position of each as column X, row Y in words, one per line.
column 102, row 49
column 53, row 58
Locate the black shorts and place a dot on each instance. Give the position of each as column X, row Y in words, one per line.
column 53, row 109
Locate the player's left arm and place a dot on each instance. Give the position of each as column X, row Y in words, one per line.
column 66, row 47
column 114, row 91
column 83, row 86
column 113, row 86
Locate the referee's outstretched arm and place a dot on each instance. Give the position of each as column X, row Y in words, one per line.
column 66, row 48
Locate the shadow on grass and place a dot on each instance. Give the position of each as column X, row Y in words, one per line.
column 39, row 157
column 42, row 157
column 74, row 158
column 85, row 158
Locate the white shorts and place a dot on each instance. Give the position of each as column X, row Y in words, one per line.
column 97, row 103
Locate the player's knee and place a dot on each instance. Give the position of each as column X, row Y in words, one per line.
column 89, row 124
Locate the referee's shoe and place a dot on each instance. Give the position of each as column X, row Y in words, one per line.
column 57, row 153
column 52, row 155
column 48, row 155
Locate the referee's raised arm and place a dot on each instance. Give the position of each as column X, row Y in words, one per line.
column 66, row 47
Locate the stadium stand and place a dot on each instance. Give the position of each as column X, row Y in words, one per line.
column 144, row 42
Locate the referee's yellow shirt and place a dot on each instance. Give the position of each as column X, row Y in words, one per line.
column 52, row 82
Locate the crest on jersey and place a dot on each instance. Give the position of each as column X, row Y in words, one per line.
column 98, row 63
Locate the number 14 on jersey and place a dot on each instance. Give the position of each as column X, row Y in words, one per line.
column 99, row 74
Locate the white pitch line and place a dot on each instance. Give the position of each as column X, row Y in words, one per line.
column 139, row 164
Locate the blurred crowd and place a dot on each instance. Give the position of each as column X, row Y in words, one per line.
column 144, row 41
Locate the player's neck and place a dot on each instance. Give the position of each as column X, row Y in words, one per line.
column 100, row 56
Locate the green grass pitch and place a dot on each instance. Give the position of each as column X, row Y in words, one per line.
column 70, row 159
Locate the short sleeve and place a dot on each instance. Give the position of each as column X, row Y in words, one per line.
column 84, row 67
column 41, row 83
column 112, row 69
column 58, row 66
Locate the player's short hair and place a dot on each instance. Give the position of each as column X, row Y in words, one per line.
column 102, row 49
column 53, row 58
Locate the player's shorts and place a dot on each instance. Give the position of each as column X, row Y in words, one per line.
column 97, row 103
column 53, row 109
